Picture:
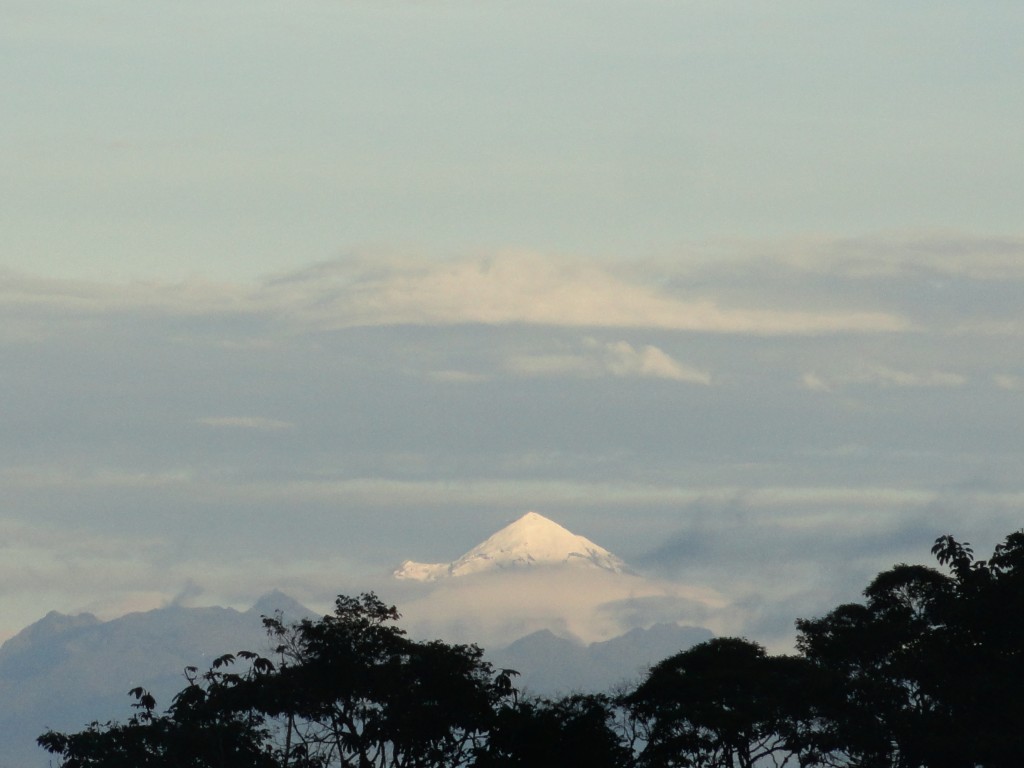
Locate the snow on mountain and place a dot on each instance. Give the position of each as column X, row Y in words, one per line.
column 532, row 540
column 534, row 575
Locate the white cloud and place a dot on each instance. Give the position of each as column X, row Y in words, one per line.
column 503, row 289
column 529, row 288
column 814, row 382
column 492, row 609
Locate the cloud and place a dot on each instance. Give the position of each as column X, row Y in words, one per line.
column 799, row 286
column 589, row 605
column 784, row 553
column 189, row 592
column 458, row 377
column 528, row 288
column 643, row 611
column 814, row 382
column 246, row 422
column 413, row 434
column 75, row 569
column 874, row 374
column 82, row 297
column 897, row 378
column 551, row 365
column 621, row 359
column 70, row 478
column 991, row 258
column 1008, row 382
column 42, row 567
column 890, row 255
column 615, row 358
column 371, row 290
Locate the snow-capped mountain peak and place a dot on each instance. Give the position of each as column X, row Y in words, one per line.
column 532, row 540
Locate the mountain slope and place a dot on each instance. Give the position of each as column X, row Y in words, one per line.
column 532, row 540
column 534, row 574
column 551, row 665
column 65, row 671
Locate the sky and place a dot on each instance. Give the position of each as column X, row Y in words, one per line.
column 290, row 293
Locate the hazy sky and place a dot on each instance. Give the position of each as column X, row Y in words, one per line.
column 294, row 292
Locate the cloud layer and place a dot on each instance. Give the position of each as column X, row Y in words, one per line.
column 774, row 423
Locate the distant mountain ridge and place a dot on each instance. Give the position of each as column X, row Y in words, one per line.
column 531, row 541
column 551, row 665
column 64, row 672
column 599, row 624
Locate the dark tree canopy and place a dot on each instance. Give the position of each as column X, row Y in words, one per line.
column 202, row 727
column 724, row 704
column 352, row 689
column 345, row 690
column 931, row 666
column 575, row 730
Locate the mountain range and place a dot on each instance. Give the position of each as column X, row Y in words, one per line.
column 525, row 594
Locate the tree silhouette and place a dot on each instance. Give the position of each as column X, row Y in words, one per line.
column 347, row 690
column 541, row 733
column 725, row 704
column 930, row 667
column 204, row 726
column 353, row 690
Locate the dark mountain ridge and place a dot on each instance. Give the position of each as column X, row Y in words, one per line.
column 63, row 672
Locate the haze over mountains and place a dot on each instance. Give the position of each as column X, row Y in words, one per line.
column 534, row 575
column 564, row 611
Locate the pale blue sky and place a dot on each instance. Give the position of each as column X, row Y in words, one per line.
column 294, row 292
column 235, row 139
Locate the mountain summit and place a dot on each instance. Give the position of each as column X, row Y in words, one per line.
column 530, row 541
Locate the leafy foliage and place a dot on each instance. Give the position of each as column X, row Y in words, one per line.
column 724, row 704
column 347, row 690
column 540, row 733
column 352, row 689
column 929, row 669
column 202, row 727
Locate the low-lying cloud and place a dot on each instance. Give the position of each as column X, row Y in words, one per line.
column 611, row 358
